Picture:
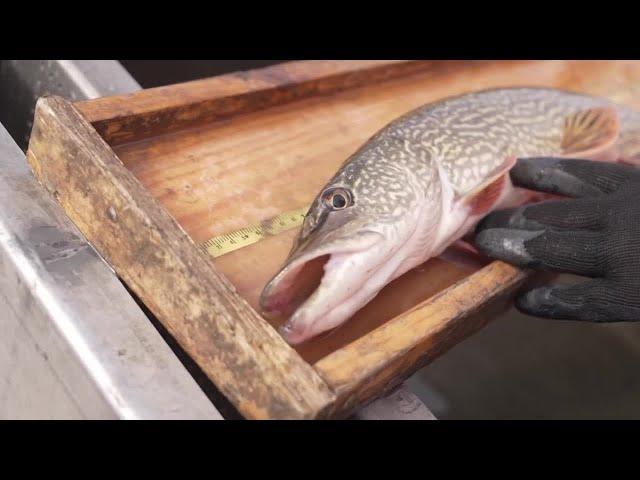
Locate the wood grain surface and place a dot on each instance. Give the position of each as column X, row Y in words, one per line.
column 223, row 153
column 157, row 110
column 246, row 359
column 226, row 175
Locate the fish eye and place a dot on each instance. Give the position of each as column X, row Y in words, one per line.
column 338, row 198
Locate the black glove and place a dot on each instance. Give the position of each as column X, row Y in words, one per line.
column 595, row 234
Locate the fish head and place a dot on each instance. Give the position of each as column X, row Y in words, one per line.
column 338, row 262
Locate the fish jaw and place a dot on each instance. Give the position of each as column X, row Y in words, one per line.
column 345, row 287
column 297, row 279
column 353, row 273
column 352, row 279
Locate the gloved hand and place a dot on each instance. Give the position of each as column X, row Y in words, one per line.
column 594, row 234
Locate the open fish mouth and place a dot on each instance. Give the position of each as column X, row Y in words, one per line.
column 294, row 284
column 312, row 284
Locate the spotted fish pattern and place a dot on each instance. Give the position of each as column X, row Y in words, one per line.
column 421, row 182
column 467, row 136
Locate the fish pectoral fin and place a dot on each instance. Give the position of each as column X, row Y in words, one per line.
column 464, row 254
column 465, row 246
column 631, row 161
column 486, row 195
column 591, row 133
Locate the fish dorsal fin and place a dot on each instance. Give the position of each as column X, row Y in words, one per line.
column 591, row 132
column 483, row 197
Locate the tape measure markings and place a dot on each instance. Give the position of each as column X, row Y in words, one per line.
column 229, row 242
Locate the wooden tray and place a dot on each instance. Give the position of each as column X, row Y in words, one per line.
column 149, row 175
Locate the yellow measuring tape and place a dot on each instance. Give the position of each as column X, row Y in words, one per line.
column 229, row 242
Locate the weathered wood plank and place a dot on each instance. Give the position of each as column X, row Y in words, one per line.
column 153, row 111
column 237, row 349
column 386, row 356
column 259, row 161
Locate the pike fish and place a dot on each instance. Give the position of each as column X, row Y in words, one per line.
column 418, row 186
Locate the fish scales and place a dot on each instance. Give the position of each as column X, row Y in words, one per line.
column 410, row 191
column 443, row 133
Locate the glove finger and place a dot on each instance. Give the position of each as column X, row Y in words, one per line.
column 591, row 301
column 572, row 177
column 561, row 214
column 576, row 252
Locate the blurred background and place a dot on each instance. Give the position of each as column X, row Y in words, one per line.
column 516, row 368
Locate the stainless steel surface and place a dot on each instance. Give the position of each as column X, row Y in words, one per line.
column 156, row 73
column 74, row 343
column 401, row 404
column 520, row 367
column 22, row 82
